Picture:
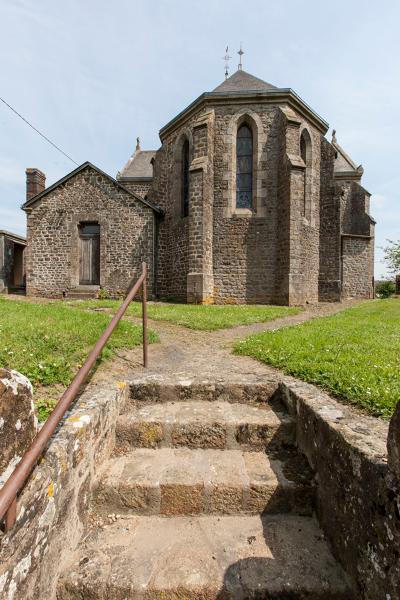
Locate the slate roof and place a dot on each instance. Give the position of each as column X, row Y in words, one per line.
column 343, row 163
column 82, row 167
column 242, row 84
column 139, row 166
column 241, row 81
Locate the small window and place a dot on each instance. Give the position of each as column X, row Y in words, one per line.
column 185, row 178
column 244, row 167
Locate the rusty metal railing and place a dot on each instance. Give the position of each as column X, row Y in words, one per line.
column 17, row 480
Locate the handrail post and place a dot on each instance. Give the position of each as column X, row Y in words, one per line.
column 144, row 314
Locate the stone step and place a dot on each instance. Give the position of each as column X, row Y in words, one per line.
column 82, row 293
column 143, row 391
column 205, row 558
column 181, row 481
column 202, row 424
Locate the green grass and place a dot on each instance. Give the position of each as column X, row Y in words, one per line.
column 49, row 342
column 200, row 317
column 355, row 354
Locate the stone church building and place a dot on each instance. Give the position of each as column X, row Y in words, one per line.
column 244, row 202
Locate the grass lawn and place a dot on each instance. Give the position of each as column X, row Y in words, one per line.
column 354, row 355
column 49, row 342
column 200, row 317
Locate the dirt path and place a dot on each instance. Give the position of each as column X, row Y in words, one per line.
column 185, row 354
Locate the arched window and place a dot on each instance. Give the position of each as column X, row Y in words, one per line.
column 305, row 153
column 244, row 167
column 185, row 178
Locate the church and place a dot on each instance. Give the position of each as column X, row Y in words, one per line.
column 245, row 201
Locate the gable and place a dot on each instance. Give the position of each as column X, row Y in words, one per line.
column 87, row 166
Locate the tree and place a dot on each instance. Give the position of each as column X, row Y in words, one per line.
column 391, row 256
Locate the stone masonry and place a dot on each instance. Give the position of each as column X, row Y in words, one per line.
column 306, row 235
column 287, row 248
column 126, row 223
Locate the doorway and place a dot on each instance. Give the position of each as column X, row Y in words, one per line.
column 89, row 254
column 18, row 274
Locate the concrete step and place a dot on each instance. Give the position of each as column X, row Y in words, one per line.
column 181, row 481
column 202, row 424
column 205, row 558
column 82, row 293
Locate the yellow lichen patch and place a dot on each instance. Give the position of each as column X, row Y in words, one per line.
column 150, row 434
column 50, row 490
column 74, row 419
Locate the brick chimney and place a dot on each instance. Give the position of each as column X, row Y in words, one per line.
column 35, row 182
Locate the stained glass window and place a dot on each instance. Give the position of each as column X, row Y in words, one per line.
column 244, row 167
column 185, row 179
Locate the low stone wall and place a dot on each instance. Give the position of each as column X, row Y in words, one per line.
column 358, row 492
column 53, row 507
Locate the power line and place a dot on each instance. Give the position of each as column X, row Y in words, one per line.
column 39, row 132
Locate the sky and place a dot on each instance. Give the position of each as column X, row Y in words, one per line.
column 92, row 75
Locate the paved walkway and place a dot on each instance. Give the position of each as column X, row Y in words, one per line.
column 185, row 354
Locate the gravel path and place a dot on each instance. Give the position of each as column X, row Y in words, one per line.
column 185, row 354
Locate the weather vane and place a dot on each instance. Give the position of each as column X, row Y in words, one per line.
column 226, row 58
column 240, row 52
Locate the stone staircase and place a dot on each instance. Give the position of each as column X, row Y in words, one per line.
column 205, row 498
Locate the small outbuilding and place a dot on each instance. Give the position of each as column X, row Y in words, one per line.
column 86, row 232
column 12, row 263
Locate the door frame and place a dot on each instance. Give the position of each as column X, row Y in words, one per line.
column 94, row 258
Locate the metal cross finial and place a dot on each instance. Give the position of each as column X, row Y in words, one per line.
column 240, row 57
column 226, row 58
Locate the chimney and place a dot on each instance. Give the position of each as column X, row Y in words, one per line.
column 35, row 182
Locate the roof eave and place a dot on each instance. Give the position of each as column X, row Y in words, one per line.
column 14, row 237
column 138, row 178
column 278, row 95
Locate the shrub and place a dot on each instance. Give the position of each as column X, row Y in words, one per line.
column 385, row 289
column 103, row 294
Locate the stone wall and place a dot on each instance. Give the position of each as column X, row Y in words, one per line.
column 357, row 267
column 329, row 285
column 358, row 494
column 141, row 188
column 228, row 255
column 52, row 510
column 18, row 423
column 126, row 235
column 181, row 243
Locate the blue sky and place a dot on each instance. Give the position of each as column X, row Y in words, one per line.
column 93, row 75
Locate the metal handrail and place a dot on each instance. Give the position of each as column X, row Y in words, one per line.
column 17, row 480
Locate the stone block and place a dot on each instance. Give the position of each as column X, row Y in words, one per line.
column 18, row 423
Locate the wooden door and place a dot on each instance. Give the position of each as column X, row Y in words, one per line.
column 89, row 262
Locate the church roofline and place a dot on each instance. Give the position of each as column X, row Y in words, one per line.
column 273, row 96
column 27, row 205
